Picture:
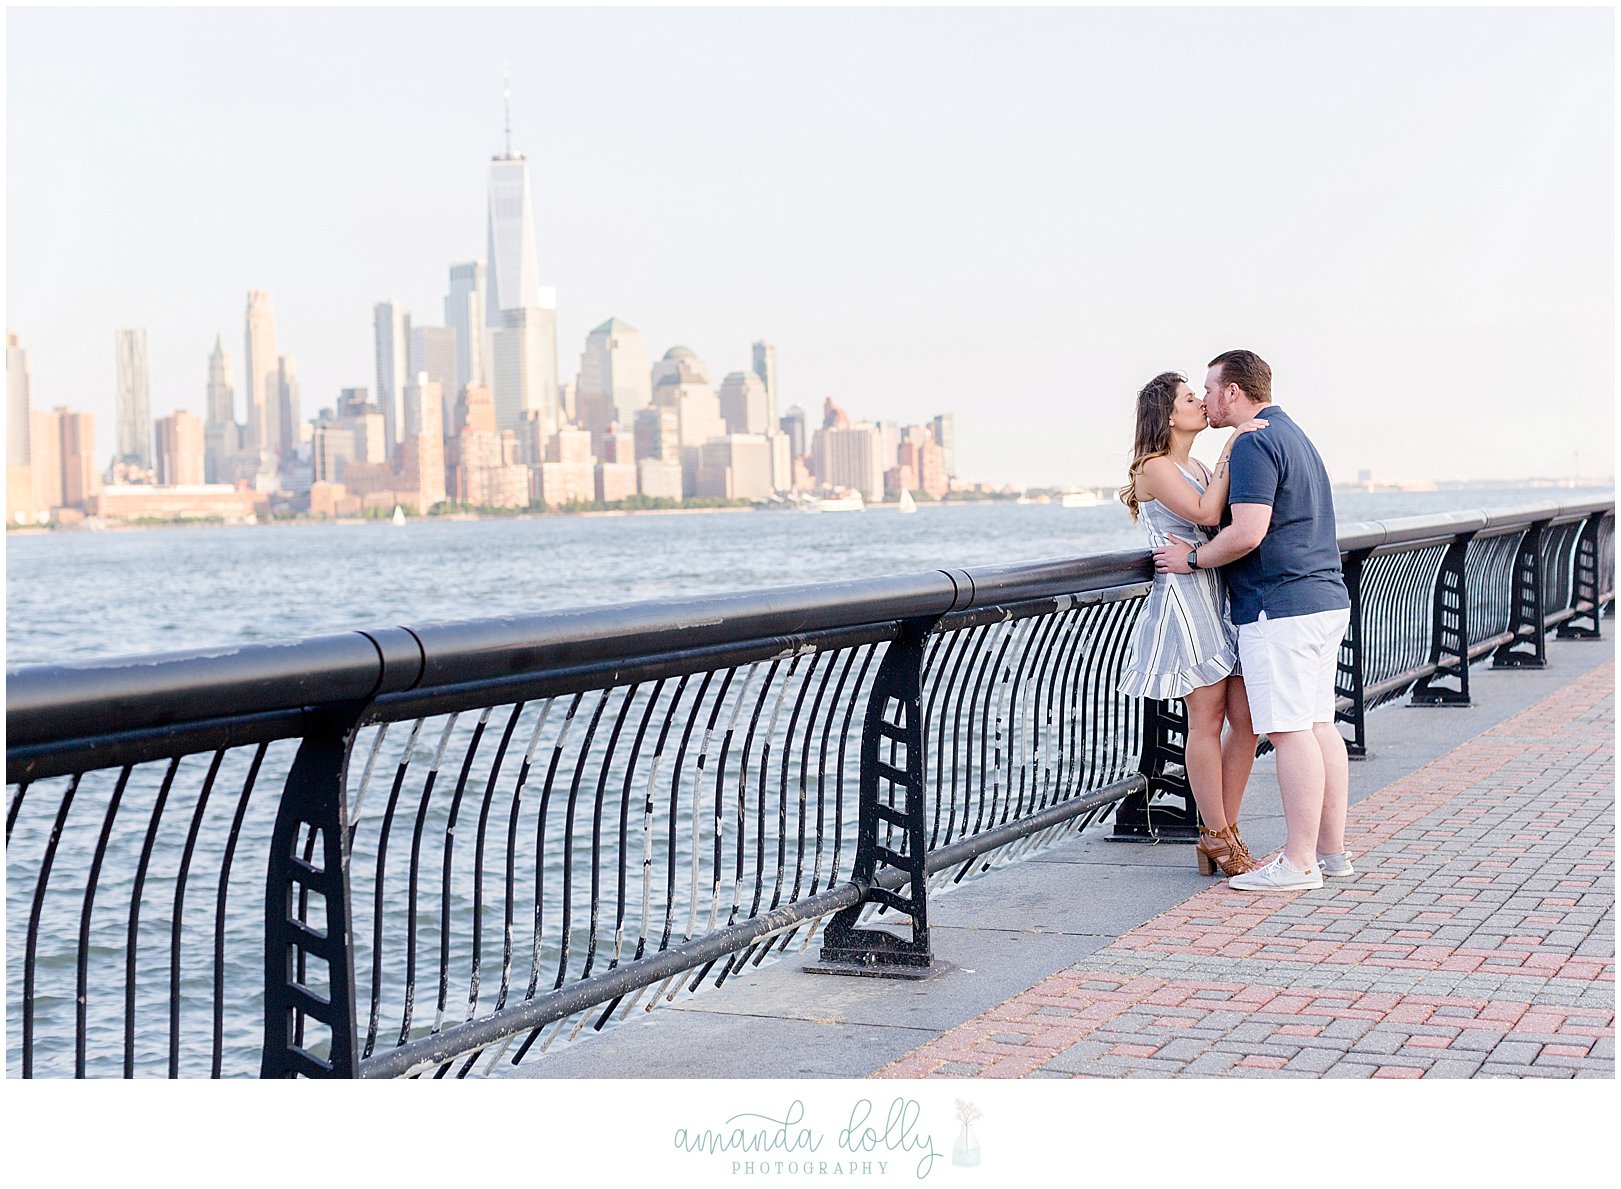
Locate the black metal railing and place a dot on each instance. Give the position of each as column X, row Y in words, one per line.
column 439, row 850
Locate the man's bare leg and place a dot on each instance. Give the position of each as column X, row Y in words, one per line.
column 1301, row 780
column 1336, row 789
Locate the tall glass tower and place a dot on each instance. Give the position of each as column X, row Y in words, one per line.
column 134, row 403
column 512, row 259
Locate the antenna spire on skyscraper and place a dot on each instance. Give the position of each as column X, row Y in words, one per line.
column 506, row 97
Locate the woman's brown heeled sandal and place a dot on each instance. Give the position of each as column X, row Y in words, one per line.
column 1223, row 850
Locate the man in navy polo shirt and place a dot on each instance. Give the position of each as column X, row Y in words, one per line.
column 1281, row 558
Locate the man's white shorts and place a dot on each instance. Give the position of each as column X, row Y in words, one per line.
column 1289, row 666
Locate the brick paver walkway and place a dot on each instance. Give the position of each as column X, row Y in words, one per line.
column 1478, row 940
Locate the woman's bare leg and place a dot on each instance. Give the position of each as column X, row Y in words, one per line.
column 1237, row 749
column 1205, row 708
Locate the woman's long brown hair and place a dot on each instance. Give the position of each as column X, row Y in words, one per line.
column 1152, row 438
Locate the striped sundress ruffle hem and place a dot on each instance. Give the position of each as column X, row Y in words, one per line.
column 1135, row 683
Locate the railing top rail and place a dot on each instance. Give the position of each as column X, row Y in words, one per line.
column 163, row 690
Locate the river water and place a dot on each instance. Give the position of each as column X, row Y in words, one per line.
column 75, row 595
column 79, row 595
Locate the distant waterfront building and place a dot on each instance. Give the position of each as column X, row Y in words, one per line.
column 569, row 473
column 850, row 456
column 615, row 481
column 737, row 466
column 22, row 497
column 261, row 373
column 765, row 366
column 524, row 369
column 180, row 450
column 201, row 501
column 391, row 331
column 289, row 414
column 422, row 452
column 464, row 313
column 744, row 404
column 681, row 382
column 945, row 436
column 433, row 352
column 71, row 438
column 782, row 461
column 793, row 424
column 134, row 399
column 222, row 436
column 889, row 442
column 658, row 435
column 482, row 462
column 615, row 378
column 658, row 480
column 18, row 400
column 332, row 448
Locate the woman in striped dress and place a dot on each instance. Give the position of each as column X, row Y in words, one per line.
column 1184, row 645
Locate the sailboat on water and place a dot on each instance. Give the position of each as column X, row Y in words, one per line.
column 399, row 516
column 908, row 504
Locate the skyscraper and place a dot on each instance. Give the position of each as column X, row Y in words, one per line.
column 263, row 374
column 134, row 401
column 21, row 499
column 524, row 369
column 221, row 434
column 850, row 456
column 17, row 401
column 391, row 325
column 945, row 436
column 288, row 413
column 765, row 366
column 616, row 378
column 513, row 259
column 793, row 424
column 434, row 350
column 180, row 449
column 220, row 402
column 464, row 313
column 744, row 404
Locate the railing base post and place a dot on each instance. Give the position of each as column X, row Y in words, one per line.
column 1137, row 818
column 894, row 716
column 1449, row 632
column 1584, row 598
column 1527, row 650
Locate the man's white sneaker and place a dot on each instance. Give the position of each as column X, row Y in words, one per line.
column 1336, row 866
column 1277, row 876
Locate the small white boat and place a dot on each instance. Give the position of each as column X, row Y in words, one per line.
column 1080, row 499
column 843, row 501
column 908, row 504
column 399, row 515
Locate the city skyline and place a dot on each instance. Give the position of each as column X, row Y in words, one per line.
column 888, row 278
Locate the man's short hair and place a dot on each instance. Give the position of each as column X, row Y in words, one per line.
column 1249, row 371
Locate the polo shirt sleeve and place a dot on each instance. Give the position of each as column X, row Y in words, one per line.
column 1254, row 472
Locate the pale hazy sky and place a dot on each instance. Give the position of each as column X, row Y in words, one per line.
column 1016, row 215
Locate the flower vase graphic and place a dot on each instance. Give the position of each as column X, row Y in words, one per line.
column 965, row 1153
